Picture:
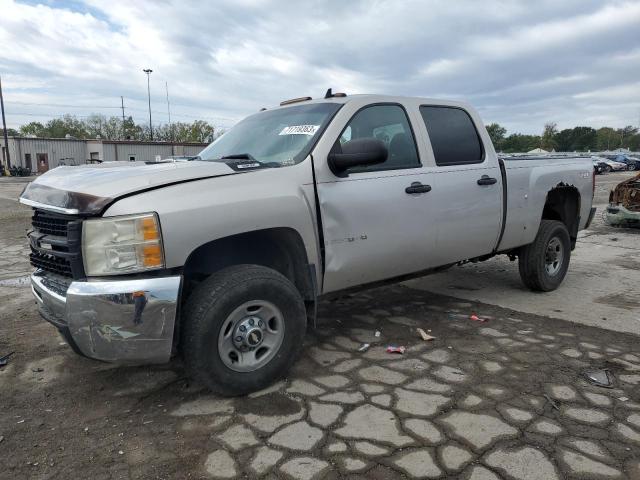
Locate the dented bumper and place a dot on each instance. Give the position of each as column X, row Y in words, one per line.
column 619, row 215
column 123, row 321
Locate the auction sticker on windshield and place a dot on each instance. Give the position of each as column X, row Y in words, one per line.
column 300, row 130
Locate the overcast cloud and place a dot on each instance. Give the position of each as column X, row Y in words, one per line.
column 522, row 64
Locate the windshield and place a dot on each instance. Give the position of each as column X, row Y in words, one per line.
column 278, row 137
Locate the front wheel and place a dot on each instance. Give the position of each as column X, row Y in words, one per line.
column 631, row 168
column 242, row 330
column 543, row 264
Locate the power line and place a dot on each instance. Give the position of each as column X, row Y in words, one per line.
column 64, row 105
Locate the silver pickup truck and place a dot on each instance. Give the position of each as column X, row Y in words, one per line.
column 223, row 258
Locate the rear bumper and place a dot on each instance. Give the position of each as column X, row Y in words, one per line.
column 122, row 321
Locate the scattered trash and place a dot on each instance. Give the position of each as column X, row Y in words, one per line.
column 37, row 370
column 1, row 438
column 147, row 422
column 86, row 429
column 394, row 349
column 377, row 334
column 623, row 399
column 20, row 421
column 4, row 360
column 364, row 347
column 600, row 378
column 553, row 403
column 425, row 336
column 476, row 318
column 120, row 452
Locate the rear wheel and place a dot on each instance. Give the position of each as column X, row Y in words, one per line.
column 631, row 167
column 243, row 328
column 543, row 264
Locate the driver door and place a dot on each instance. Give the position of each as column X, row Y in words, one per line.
column 374, row 223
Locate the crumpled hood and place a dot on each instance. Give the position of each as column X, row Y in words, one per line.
column 88, row 189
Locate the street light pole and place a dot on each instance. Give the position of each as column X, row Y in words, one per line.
column 148, row 72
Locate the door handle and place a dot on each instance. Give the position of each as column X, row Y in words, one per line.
column 417, row 187
column 487, row 180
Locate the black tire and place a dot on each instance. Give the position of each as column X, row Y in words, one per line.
column 532, row 259
column 631, row 168
column 210, row 305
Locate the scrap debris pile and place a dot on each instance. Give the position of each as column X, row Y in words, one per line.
column 624, row 204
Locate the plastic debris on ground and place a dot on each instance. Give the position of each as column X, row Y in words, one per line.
column 394, row 349
column 425, row 336
column 364, row 347
column 4, row 360
column 474, row 316
column 377, row 334
column 599, row 378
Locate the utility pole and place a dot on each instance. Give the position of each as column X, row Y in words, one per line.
column 148, row 72
column 166, row 86
column 4, row 127
column 124, row 135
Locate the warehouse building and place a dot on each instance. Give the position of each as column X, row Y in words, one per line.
column 42, row 154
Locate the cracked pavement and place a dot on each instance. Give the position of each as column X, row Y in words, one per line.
column 504, row 399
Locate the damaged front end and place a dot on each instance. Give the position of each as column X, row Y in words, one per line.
column 624, row 204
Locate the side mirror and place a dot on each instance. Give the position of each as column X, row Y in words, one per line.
column 356, row 153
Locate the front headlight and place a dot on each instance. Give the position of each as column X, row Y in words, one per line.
column 118, row 245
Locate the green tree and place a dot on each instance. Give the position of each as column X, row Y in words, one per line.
column 625, row 135
column 606, row 138
column 548, row 140
column 32, row 128
column 497, row 133
column 67, row 125
column 11, row 132
column 519, row 143
column 94, row 125
column 577, row 139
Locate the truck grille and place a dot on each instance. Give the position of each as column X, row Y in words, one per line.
column 51, row 263
column 49, row 225
column 55, row 244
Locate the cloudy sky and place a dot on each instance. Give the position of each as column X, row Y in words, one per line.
column 521, row 63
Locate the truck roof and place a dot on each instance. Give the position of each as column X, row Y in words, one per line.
column 373, row 98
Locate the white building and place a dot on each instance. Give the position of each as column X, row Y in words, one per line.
column 42, row 154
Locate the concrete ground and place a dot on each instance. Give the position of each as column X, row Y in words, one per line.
column 505, row 398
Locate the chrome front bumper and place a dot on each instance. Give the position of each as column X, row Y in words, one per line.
column 122, row 321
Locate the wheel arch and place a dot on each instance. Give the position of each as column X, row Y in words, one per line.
column 563, row 204
column 281, row 249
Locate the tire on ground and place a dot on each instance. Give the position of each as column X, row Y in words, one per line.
column 209, row 306
column 532, row 257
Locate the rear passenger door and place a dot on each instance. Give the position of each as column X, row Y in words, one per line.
column 373, row 227
column 467, row 186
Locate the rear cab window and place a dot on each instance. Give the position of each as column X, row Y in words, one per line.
column 454, row 138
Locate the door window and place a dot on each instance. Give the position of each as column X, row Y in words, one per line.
column 388, row 123
column 454, row 138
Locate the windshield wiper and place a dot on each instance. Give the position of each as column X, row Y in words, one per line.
column 252, row 161
column 239, row 156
